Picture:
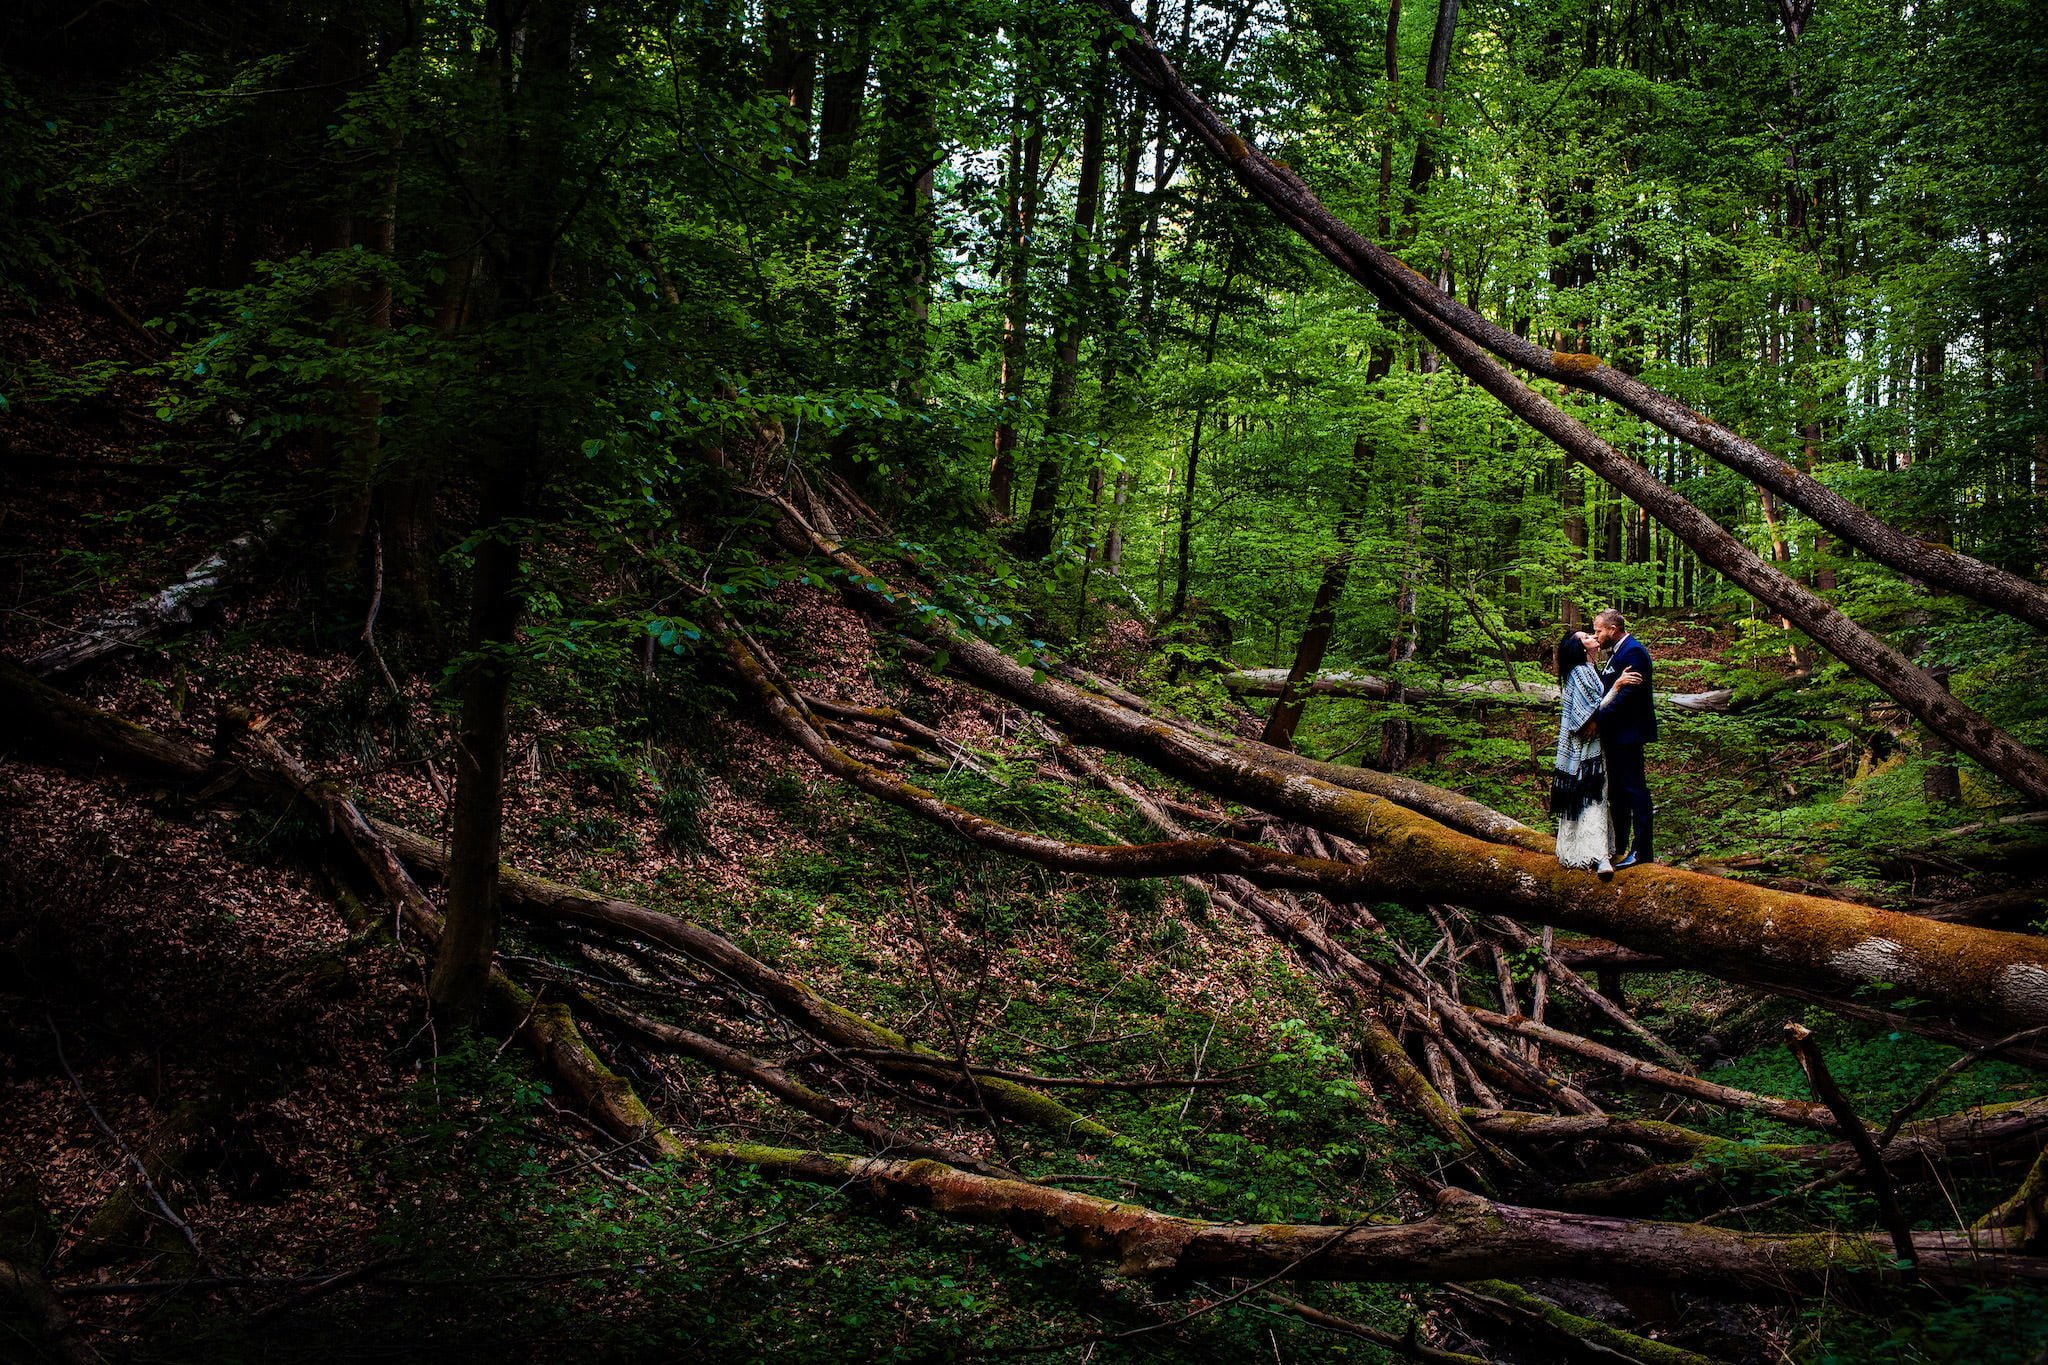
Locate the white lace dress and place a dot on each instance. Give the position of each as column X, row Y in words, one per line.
column 1578, row 787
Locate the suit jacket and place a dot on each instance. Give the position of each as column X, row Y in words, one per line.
column 1632, row 719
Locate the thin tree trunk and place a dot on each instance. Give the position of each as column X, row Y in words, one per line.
column 462, row 963
column 1076, row 309
column 1185, row 548
column 1027, row 146
column 1322, row 615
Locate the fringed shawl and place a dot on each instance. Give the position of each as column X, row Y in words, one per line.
column 1580, row 779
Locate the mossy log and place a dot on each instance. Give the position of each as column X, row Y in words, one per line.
column 1995, row 1134
column 1579, row 1334
column 132, row 626
column 1987, row 979
column 1468, row 1238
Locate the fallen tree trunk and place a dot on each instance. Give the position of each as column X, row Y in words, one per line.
column 1385, row 1058
column 1228, row 857
column 134, row 625
column 794, row 1000
column 1393, row 283
column 2014, row 1129
column 1802, row 1113
column 774, row 1080
column 1272, row 682
column 1930, row 1149
column 1747, row 933
column 1468, row 1238
column 1579, row 1337
column 1994, row 980
column 545, row 1027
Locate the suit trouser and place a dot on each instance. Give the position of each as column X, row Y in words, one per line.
column 1628, row 798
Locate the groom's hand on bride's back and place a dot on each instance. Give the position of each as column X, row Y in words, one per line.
column 1628, row 678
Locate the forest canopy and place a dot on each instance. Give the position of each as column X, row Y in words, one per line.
column 813, row 681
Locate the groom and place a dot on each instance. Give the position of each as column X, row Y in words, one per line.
column 1625, row 727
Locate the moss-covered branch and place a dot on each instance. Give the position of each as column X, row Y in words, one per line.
column 1468, row 1238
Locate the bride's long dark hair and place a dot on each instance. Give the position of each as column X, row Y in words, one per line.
column 1571, row 652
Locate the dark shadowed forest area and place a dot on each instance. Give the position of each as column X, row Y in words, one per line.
column 1022, row 679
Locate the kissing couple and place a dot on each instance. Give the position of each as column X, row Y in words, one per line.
column 1598, row 792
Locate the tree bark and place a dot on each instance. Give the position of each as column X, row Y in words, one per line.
column 541, row 92
column 1468, row 1238
column 1076, row 309
column 1027, row 146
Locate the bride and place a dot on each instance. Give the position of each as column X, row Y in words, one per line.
column 1578, row 787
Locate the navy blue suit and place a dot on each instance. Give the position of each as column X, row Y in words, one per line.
column 1626, row 725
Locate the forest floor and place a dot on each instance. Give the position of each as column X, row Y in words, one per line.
column 183, row 981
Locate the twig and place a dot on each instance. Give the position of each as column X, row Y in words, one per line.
column 1949, row 1073
column 1094, row 1338
column 321, row 1287
column 376, row 604
column 1578, row 986
column 1407, row 1345
column 1799, row 1039
column 141, row 1171
column 1200, row 1053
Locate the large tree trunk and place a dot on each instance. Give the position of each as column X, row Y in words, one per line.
column 1440, row 319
